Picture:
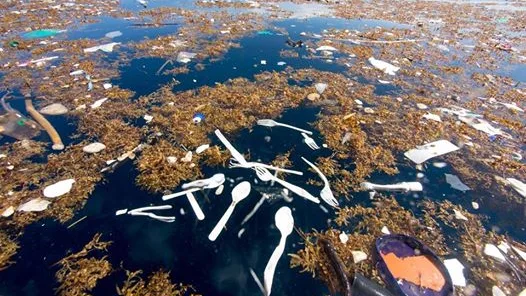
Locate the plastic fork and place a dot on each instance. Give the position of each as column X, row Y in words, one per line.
column 310, row 142
column 265, row 176
column 235, row 164
column 272, row 123
column 326, row 193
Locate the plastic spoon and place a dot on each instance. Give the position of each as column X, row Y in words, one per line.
column 272, row 123
column 195, row 206
column 240, row 192
column 238, row 156
column 215, row 181
column 285, row 223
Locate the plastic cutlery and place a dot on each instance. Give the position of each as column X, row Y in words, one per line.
column 238, row 156
column 195, row 206
column 285, row 223
column 272, row 123
column 240, row 192
column 140, row 212
column 403, row 186
column 265, row 176
column 206, row 183
column 326, row 193
column 234, row 164
column 310, row 142
column 213, row 182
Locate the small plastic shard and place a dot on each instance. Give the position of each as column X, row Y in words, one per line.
column 94, row 147
column 440, row 165
column 171, row 159
column 58, row 189
column 185, row 57
column 421, row 106
column 54, row 109
column 104, row 47
column 201, row 148
column 187, row 157
column 459, row 215
column 431, row 116
column 519, row 186
column 422, row 153
column 384, row 81
column 475, row 205
column 107, row 85
column 34, row 205
column 263, row 62
column 113, row 34
column 240, row 233
column 326, row 48
column 147, row 118
column 385, row 230
column 383, row 66
column 358, row 256
column 98, row 103
column 219, row 189
column 481, row 125
column 320, row 87
column 456, row 183
column 8, row 212
column 456, row 272
column 344, row 238
column 504, row 247
column 121, row 212
column 281, row 63
column 77, row 72
column 403, row 186
column 521, row 253
column 493, row 251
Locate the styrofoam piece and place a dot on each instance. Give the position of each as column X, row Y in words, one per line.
column 519, row 186
column 456, row 272
column 384, row 66
column 456, row 183
column 58, row 189
column 493, row 251
column 422, row 153
column 34, row 205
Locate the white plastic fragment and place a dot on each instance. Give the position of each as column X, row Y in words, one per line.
column 320, row 87
column 121, row 212
column 481, row 125
column 104, row 47
column 94, row 147
column 185, row 57
column 54, row 109
column 459, row 215
column 58, row 189
column 147, row 118
column 493, row 251
column 428, row 151
column 326, row 48
column 456, row 272
column 219, row 189
column 511, row 106
column 384, row 81
column 523, row 293
column 77, row 72
column 263, row 62
column 439, row 165
column 98, row 103
column 281, row 63
column 504, row 247
column 521, row 253
column 187, row 157
column 34, row 205
column 344, row 238
column 475, row 205
column 358, row 256
column 113, row 34
column 240, row 233
column 385, row 230
column 107, row 85
column 384, row 66
column 201, row 148
column 171, row 159
column 519, row 186
column 403, row 186
column 496, row 291
column 421, row 106
column 8, row 212
column 456, row 183
column 431, row 116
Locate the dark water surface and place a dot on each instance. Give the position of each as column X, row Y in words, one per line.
column 221, row 267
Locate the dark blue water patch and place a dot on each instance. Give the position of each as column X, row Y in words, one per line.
column 518, row 73
column 129, row 32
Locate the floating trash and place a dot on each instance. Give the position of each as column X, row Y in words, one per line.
column 54, row 109
column 113, row 34
column 58, row 189
column 44, row 33
column 104, row 47
column 455, row 183
column 421, row 154
column 383, row 66
column 34, row 205
column 94, row 147
column 198, row 117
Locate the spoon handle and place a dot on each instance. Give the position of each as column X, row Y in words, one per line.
column 238, row 156
column 322, row 176
column 298, row 190
column 268, row 274
column 177, row 194
column 195, row 206
column 294, row 128
column 222, row 222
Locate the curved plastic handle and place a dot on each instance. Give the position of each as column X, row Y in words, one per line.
column 222, row 222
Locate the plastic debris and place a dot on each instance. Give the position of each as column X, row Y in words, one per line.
column 185, row 57
column 421, row 106
column 44, row 33
column 8, row 212
column 456, row 272
column 358, row 256
column 344, row 238
column 107, row 85
column 320, row 87
column 187, row 157
column 456, row 183
column 263, row 62
column 326, row 48
column 459, row 215
column 171, row 159
column 104, row 47
column 219, row 189
column 201, row 148
column 58, row 189
column 147, row 118
column 281, row 63
column 384, row 81
column 34, row 205
column 481, row 125
column 521, row 253
column 198, row 117
column 475, row 205
column 385, row 230
column 113, row 34
column 422, row 153
column 98, row 103
column 313, row 96
column 519, row 186
column 94, row 147
column 493, row 251
column 272, row 123
column 144, row 3
column 403, row 186
column 384, row 66
column 431, row 116
column 121, row 212
column 54, row 109
column 77, row 72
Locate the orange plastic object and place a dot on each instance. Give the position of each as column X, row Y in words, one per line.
column 418, row 270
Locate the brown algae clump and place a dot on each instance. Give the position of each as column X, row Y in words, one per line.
column 8, row 248
column 158, row 284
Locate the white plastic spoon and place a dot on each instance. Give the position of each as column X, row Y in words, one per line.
column 285, row 224
column 215, row 181
column 272, row 123
column 195, row 206
column 240, row 192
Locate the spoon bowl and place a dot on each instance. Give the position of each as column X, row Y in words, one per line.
column 241, row 191
column 284, row 221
